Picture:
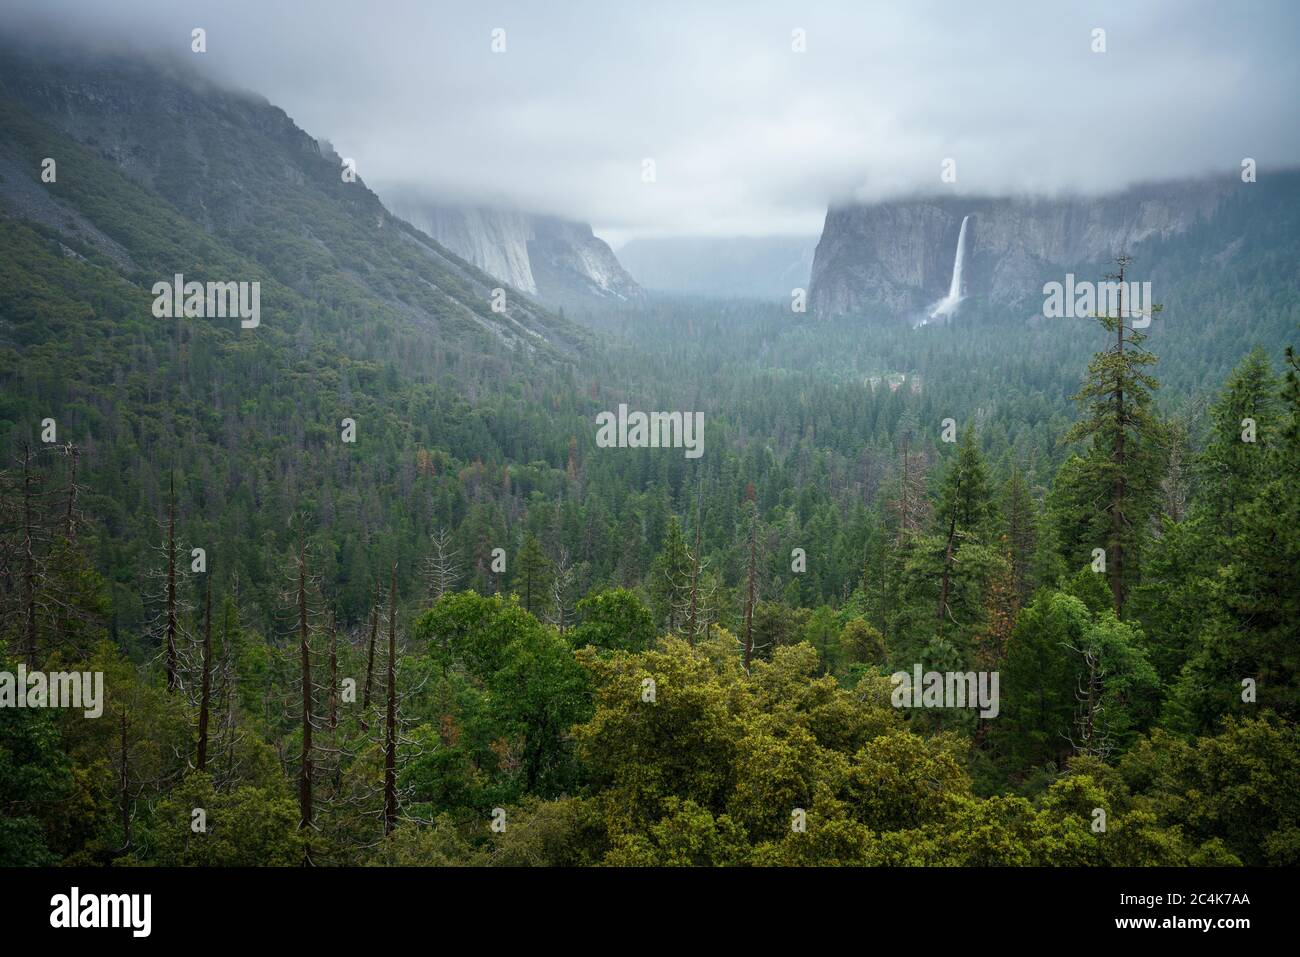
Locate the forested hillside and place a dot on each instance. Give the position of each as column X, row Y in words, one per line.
column 474, row 636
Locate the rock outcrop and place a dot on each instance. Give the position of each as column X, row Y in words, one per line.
column 892, row 260
column 557, row 261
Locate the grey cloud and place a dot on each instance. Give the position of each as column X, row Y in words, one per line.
column 748, row 137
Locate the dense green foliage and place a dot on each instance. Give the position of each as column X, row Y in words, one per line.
column 579, row 697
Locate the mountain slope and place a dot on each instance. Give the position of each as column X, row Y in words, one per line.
column 241, row 170
column 362, row 318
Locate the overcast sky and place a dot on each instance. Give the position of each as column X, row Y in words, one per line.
column 748, row 136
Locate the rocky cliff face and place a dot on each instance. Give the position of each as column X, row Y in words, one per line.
column 892, row 260
column 571, row 264
column 557, row 261
column 494, row 240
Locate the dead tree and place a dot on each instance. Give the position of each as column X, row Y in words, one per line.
column 124, row 787
column 442, row 567
column 750, row 576
column 172, row 661
column 39, row 562
column 563, row 580
column 698, row 602
column 205, row 692
column 70, row 514
column 370, row 657
column 911, row 506
column 224, row 693
column 1092, row 736
column 29, row 558
column 390, row 724
column 171, row 609
column 304, row 649
column 334, row 674
column 693, row 608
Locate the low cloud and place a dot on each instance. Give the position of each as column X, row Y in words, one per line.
column 748, row 137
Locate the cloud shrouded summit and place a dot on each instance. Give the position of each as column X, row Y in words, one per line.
column 748, row 136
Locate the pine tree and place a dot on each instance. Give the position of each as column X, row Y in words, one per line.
column 1245, row 422
column 964, row 507
column 670, row 576
column 1125, row 439
column 1252, row 628
column 1019, row 520
column 533, row 575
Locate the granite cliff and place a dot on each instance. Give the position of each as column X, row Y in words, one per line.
column 894, row 260
column 557, row 261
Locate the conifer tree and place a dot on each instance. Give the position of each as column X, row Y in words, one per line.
column 1121, row 468
column 1019, row 520
column 671, row 574
column 1244, row 425
column 963, row 508
column 533, row 576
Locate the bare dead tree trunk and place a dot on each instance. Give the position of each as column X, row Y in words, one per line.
column 749, row 587
column 172, row 666
column 29, row 560
column 205, row 693
column 911, row 502
column 124, row 785
column 1091, row 740
column 390, row 725
column 334, row 673
column 692, row 614
column 370, row 658
column 441, row 568
column 229, row 719
column 70, row 516
column 305, row 771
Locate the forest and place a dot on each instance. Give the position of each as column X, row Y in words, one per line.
column 479, row 639
column 364, row 588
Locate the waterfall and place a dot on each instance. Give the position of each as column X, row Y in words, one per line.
column 946, row 306
column 954, row 288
